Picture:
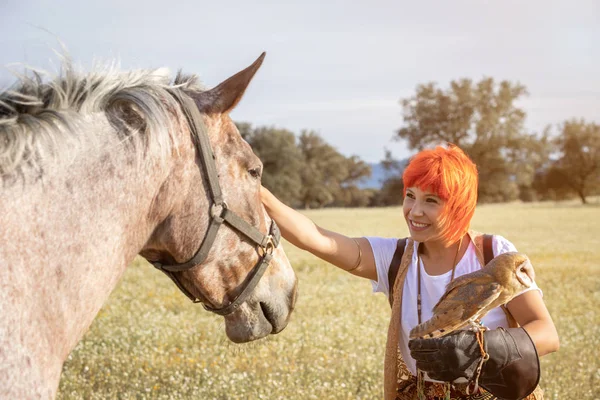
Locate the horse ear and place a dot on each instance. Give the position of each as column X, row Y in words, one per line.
column 224, row 97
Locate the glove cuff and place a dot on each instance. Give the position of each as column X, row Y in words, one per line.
column 513, row 370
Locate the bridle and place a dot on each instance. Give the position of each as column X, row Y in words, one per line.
column 219, row 213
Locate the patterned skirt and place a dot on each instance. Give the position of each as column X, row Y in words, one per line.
column 439, row 391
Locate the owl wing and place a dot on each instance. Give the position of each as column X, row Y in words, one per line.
column 463, row 300
column 476, row 276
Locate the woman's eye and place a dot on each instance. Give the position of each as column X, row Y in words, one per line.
column 430, row 200
column 255, row 172
column 410, row 195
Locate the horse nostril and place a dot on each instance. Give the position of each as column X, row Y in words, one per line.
column 268, row 313
column 264, row 309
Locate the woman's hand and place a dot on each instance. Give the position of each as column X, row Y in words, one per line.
column 267, row 197
column 511, row 372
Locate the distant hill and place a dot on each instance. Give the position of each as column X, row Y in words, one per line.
column 375, row 181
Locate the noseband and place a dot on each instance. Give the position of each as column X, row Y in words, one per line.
column 219, row 214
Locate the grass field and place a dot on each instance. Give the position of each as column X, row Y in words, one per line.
column 149, row 341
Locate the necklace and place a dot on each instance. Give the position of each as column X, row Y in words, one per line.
column 419, row 276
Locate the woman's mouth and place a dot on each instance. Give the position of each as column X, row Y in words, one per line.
column 418, row 226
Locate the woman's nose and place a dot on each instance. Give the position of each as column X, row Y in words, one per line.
column 416, row 210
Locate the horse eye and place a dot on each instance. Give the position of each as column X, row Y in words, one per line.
column 255, row 172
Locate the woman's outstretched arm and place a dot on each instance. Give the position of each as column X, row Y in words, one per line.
column 350, row 254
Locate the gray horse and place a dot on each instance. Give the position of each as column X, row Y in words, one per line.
column 96, row 168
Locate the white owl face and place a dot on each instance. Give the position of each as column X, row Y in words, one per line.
column 524, row 271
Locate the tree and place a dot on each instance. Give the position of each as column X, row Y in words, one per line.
column 392, row 166
column 579, row 156
column 391, row 193
column 529, row 155
column 483, row 120
column 348, row 193
column 323, row 170
column 392, row 190
column 281, row 158
column 551, row 184
column 307, row 172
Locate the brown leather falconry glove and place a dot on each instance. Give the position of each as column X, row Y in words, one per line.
column 512, row 371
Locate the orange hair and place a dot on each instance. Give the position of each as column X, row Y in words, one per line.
column 450, row 174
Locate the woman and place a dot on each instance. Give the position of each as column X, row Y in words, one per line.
column 440, row 197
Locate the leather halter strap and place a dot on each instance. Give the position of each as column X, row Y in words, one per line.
column 219, row 214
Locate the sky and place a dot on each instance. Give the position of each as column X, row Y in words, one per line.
column 336, row 67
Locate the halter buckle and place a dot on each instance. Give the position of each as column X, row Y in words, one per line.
column 217, row 211
column 268, row 248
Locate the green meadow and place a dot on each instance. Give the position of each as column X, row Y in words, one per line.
column 150, row 342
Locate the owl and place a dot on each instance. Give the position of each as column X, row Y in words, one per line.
column 469, row 297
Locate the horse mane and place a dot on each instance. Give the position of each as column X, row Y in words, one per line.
column 39, row 119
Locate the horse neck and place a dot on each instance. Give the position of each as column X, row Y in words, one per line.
column 67, row 239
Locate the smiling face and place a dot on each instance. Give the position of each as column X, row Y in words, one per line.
column 422, row 210
column 443, row 186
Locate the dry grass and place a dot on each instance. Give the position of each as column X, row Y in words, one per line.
column 149, row 341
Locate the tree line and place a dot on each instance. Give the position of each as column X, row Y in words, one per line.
column 482, row 118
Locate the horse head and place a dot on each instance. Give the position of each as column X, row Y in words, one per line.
column 212, row 232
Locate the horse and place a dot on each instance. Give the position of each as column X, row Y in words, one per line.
column 99, row 167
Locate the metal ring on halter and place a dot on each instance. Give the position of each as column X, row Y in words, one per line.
column 217, row 210
column 269, row 248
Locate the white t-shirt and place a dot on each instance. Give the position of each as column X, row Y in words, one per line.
column 432, row 286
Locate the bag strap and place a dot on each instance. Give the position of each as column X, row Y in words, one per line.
column 488, row 251
column 488, row 255
column 394, row 267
